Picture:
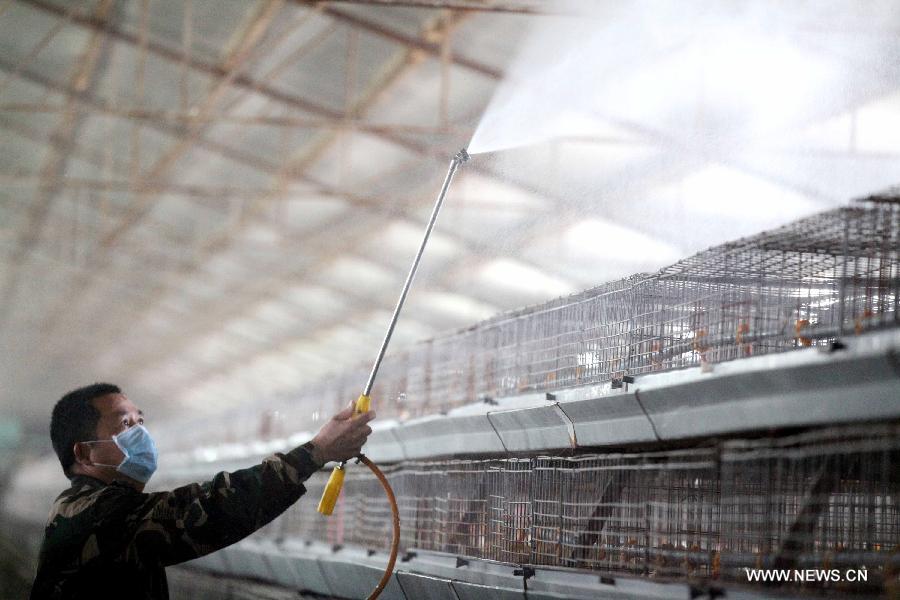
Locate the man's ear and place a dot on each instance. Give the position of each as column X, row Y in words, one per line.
column 82, row 453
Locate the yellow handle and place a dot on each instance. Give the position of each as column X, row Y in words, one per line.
column 362, row 405
column 332, row 491
column 336, row 482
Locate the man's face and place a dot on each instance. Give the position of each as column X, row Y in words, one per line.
column 117, row 413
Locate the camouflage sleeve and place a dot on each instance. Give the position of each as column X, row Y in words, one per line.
column 196, row 519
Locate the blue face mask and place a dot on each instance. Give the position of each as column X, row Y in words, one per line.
column 140, row 453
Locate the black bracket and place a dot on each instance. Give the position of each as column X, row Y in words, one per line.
column 461, row 562
column 551, row 397
column 836, row 345
column 336, row 547
column 711, row 592
column 408, row 556
column 526, row 572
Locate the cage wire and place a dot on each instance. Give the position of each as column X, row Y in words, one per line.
column 823, row 499
column 807, row 283
column 826, row 498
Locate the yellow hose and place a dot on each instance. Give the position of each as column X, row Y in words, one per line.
column 395, row 517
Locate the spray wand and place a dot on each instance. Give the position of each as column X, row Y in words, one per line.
column 336, row 481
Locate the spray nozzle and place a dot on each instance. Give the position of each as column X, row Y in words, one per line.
column 462, row 156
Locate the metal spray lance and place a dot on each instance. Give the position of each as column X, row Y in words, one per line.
column 336, row 481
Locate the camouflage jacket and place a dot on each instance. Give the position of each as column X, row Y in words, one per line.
column 111, row 541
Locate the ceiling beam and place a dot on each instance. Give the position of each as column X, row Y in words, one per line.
column 294, row 169
column 179, row 119
column 229, row 73
column 440, row 29
column 279, row 283
column 536, row 225
column 289, row 100
column 519, row 7
column 216, row 71
column 62, row 20
column 475, row 253
column 77, row 149
column 374, row 206
column 368, row 300
column 81, row 78
column 236, row 79
column 243, row 47
column 297, row 168
column 244, row 81
column 204, row 192
column 421, row 44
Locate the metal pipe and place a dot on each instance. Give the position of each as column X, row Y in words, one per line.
column 333, row 488
column 461, row 157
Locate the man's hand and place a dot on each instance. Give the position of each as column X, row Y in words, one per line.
column 342, row 437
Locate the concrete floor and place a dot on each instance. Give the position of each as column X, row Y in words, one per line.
column 193, row 584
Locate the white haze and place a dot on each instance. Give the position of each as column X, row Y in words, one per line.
column 700, row 75
column 692, row 123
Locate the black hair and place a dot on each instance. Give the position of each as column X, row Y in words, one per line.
column 75, row 420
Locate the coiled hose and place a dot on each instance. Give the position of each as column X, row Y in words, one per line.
column 395, row 519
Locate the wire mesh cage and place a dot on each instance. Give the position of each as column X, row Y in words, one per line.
column 832, row 274
column 823, row 499
column 826, row 498
column 811, row 501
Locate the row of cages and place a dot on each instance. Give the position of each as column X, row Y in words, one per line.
column 823, row 499
column 833, row 274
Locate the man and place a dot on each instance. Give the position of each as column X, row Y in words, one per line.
column 106, row 538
